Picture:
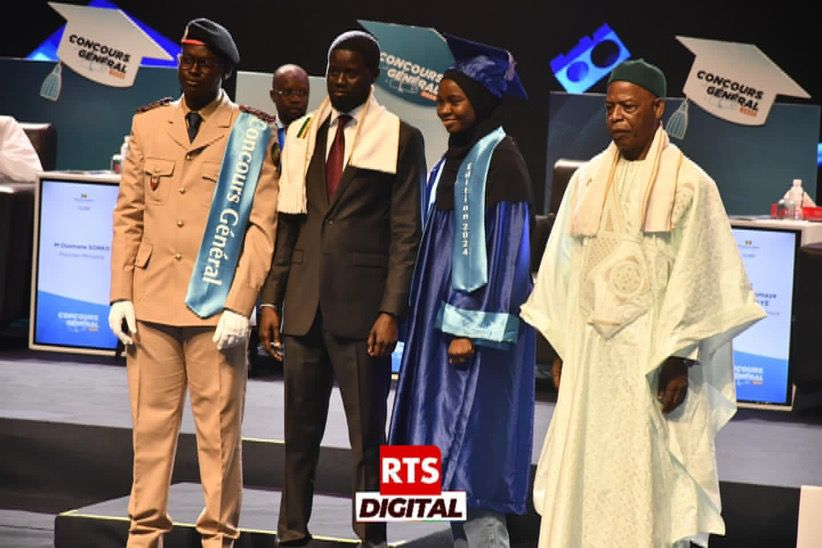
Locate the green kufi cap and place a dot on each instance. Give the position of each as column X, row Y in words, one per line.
column 641, row 73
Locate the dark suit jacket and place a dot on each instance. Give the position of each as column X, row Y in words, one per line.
column 354, row 257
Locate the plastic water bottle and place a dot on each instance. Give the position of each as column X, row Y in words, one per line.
column 116, row 163
column 118, row 158
column 796, row 197
column 124, row 148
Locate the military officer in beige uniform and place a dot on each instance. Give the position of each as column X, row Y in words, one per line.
column 160, row 222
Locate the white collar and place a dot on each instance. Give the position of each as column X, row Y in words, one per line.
column 354, row 112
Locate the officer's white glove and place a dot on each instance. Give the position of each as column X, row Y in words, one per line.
column 232, row 329
column 123, row 310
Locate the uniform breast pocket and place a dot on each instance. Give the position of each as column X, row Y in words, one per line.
column 157, row 173
column 208, row 182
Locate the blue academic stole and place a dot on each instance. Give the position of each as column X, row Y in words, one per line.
column 469, row 264
column 228, row 218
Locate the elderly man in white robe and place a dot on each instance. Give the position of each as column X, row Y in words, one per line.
column 640, row 291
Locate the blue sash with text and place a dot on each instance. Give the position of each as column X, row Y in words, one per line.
column 469, row 268
column 228, row 217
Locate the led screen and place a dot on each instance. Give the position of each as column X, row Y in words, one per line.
column 72, row 274
column 762, row 353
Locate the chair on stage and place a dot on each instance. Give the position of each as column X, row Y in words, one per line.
column 563, row 170
column 806, row 372
column 43, row 137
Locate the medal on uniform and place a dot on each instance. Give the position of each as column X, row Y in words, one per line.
column 154, row 181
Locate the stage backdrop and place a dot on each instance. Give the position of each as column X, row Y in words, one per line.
column 753, row 166
column 253, row 88
column 90, row 119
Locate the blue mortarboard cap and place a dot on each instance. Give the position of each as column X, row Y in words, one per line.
column 492, row 67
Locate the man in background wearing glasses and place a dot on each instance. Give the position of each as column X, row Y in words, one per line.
column 194, row 230
column 289, row 92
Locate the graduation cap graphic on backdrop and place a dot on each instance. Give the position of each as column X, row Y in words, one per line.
column 733, row 81
column 101, row 44
column 412, row 60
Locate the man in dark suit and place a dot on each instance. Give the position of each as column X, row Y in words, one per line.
column 344, row 256
column 289, row 93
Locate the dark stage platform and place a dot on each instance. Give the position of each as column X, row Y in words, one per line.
column 99, row 524
column 65, row 447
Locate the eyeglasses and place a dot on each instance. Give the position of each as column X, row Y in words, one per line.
column 291, row 92
column 187, row 61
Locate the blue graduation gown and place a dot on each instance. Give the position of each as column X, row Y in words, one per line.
column 479, row 413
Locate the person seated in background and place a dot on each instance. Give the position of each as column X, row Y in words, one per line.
column 18, row 159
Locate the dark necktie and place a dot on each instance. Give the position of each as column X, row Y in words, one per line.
column 194, row 120
column 334, row 162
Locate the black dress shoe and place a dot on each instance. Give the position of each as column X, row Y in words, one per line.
column 305, row 541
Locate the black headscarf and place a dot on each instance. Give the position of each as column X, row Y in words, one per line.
column 460, row 144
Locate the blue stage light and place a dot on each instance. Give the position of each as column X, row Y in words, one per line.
column 590, row 60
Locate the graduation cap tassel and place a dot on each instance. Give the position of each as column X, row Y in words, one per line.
column 678, row 122
column 50, row 89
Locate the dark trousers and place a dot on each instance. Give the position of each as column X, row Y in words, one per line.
column 312, row 363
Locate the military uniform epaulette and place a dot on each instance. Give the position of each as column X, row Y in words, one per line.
column 155, row 104
column 264, row 116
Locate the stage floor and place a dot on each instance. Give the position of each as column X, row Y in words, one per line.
column 259, row 514
column 760, row 447
column 763, row 448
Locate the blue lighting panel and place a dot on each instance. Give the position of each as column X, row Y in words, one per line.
column 590, row 60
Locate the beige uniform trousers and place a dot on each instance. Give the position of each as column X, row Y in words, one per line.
column 164, row 361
